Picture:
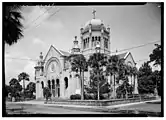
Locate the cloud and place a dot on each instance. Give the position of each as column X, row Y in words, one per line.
column 40, row 42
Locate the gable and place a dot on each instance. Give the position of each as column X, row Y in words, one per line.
column 122, row 55
column 129, row 60
column 52, row 52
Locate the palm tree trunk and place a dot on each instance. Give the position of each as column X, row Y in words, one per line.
column 82, row 96
column 98, row 89
column 114, row 86
column 110, row 83
column 133, row 86
column 82, row 85
column 24, row 88
column 126, row 91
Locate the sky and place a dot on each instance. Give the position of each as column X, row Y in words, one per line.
column 57, row 25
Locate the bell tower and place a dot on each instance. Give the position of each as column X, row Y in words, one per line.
column 95, row 31
column 75, row 49
column 39, row 72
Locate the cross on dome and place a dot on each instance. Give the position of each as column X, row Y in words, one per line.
column 93, row 12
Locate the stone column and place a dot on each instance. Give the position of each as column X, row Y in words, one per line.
column 61, row 87
column 37, row 89
column 136, row 86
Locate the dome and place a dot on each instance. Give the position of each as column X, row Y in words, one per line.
column 94, row 23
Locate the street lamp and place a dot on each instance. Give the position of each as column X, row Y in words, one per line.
column 98, row 51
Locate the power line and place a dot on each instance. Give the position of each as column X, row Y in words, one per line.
column 20, row 59
column 112, row 52
column 141, row 60
column 136, row 46
column 45, row 61
column 48, row 18
column 41, row 15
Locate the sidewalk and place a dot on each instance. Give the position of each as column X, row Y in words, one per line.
column 81, row 106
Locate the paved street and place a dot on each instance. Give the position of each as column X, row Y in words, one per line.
column 41, row 109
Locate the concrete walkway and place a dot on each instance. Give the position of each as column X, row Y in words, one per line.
column 82, row 106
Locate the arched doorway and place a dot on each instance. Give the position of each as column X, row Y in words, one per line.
column 53, row 87
column 57, row 88
column 42, row 84
column 66, row 82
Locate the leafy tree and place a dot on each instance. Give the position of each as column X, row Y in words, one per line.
column 7, row 90
column 124, row 72
column 22, row 77
column 31, row 88
column 79, row 64
column 156, row 77
column 97, row 62
column 15, row 87
column 155, row 56
column 145, row 82
column 12, row 24
column 46, row 93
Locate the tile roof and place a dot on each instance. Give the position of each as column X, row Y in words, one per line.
column 64, row 53
column 122, row 55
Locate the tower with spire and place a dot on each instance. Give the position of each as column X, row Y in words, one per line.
column 39, row 76
column 75, row 49
column 94, row 31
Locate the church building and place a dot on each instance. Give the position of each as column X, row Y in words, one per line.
column 54, row 70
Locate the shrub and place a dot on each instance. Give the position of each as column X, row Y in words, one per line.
column 89, row 96
column 104, row 96
column 46, row 93
column 75, row 97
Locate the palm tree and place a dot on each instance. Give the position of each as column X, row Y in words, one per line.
column 97, row 61
column 15, row 87
column 113, row 68
column 124, row 73
column 79, row 64
column 23, row 76
column 12, row 25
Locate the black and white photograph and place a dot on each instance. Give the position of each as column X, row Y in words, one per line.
column 82, row 59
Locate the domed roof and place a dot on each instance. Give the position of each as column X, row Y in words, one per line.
column 93, row 22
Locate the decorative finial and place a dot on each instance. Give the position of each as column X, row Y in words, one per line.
column 93, row 12
column 75, row 37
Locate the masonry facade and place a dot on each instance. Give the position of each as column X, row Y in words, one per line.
column 54, row 70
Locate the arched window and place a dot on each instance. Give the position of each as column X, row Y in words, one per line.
column 96, row 38
column 95, row 41
column 66, row 82
column 92, row 41
column 49, row 84
column 99, row 38
column 88, row 43
column 53, row 84
column 57, row 81
column 84, row 44
column 42, row 83
column 70, row 76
